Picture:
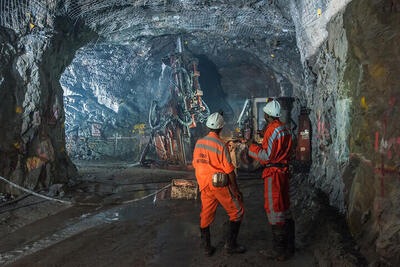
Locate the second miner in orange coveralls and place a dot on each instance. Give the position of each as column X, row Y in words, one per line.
column 211, row 157
column 274, row 155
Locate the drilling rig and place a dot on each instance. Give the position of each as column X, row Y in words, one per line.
column 174, row 124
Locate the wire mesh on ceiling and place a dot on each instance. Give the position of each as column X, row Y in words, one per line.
column 161, row 16
column 145, row 17
column 22, row 15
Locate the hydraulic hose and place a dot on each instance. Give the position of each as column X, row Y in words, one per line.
column 185, row 123
column 81, row 203
column 152, row 110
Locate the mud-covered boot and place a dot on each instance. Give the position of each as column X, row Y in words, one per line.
column 290, row 233
column 231, row 246
column 279, row 244
column 206, row 241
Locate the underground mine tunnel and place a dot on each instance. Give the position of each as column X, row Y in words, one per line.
column 102, row 104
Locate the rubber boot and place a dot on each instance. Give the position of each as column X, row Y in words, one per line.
column 231, row 246
column 279, row 244
column 290, row 233
column 206, row 241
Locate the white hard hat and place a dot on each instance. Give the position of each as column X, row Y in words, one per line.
column 215, row 121
column 273, row 109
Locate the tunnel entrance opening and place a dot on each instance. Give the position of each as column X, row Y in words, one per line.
column 214, row 95
column 234, row 76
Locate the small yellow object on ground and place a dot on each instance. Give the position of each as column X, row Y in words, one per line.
column 16, row 145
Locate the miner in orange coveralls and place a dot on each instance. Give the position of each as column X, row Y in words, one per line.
column 217, row 184
column 274, row 155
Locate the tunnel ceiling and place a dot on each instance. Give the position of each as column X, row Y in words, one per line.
column 263, row 28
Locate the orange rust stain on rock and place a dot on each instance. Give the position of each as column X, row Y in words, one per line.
column 33, row 163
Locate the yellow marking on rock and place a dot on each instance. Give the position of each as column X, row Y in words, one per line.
column 186, row 42
column 363, row 103
column 319, row 11
column 272, row 55
column 18, row 110
column 31, row 25
column 237, row 130
column 16, row 145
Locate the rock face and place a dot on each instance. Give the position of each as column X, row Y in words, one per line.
column 352, row 91
column 373, row 29
column 32, row 113
column 107, row 94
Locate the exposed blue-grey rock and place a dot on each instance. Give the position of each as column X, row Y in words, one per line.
column 110, row 87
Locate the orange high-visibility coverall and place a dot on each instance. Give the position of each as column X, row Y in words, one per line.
column 211, row 156
column 276, row 148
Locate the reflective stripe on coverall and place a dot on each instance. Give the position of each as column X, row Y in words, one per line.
column 276, row 148
column 211, row 156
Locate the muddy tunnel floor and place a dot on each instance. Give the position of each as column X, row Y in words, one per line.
column 155, row 231
column 147, row 233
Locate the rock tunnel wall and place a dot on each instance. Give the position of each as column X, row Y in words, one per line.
column 32, row 151
column 373, row 30
column 352, row 89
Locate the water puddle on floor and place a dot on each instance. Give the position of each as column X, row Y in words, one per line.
column 94, row 218
column 78, row 225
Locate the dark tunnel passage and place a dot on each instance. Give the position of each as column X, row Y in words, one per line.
column 106, row 105
column 214, row 95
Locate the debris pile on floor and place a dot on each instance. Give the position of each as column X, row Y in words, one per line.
column 183, row 189
column 6, row 198
column 321, row 227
